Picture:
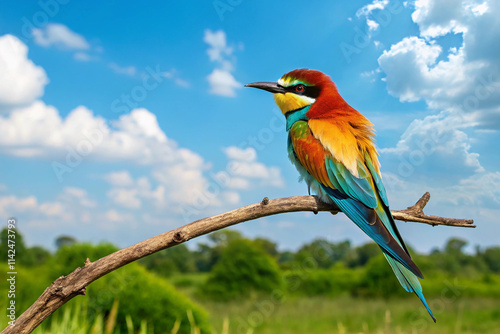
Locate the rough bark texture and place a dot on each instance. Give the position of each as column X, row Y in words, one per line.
column 66, row 287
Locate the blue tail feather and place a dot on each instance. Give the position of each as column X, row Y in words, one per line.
column 383, row 233
column 409, row 281
column 370, row 223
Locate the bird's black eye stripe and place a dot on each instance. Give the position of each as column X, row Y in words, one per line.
column 309, row 91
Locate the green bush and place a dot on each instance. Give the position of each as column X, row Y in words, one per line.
column 191, row 280
column 323, row 252
column 243, row 268
column 178, row 259
column 141, row 294
column 70, row 257
column 360, row 256
column 491, row 257
column 330, row 282
column 379, row 280
column 454, row 287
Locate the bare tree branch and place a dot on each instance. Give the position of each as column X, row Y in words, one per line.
column 415, row 214
column 66, row 287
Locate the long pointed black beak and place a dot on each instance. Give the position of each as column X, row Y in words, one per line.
column 272, row 87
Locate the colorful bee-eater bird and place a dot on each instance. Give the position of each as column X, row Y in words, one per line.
column 332, row 146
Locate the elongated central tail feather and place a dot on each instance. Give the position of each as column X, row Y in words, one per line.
column 409, row 281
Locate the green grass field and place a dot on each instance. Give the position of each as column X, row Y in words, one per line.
column 306, row 315
column 345, row 314
column 348, row 315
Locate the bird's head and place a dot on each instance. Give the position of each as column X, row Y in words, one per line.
column 297, row 89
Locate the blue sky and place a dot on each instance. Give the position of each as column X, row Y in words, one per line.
column 119, row 121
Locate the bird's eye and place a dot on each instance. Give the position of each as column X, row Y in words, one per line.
column 300, row 88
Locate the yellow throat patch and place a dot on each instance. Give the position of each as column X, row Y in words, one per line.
column 289, row 101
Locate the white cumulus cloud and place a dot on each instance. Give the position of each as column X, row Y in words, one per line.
column 223, row 83
column 68, row 207
column 221, row 80
column 22, row 81
column 464, row 79
column 245, row 171
column 435, row 143
column 40, row 131
column 131, row 193
column 460, row 84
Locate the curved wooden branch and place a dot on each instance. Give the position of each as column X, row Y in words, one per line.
column 66, row 287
